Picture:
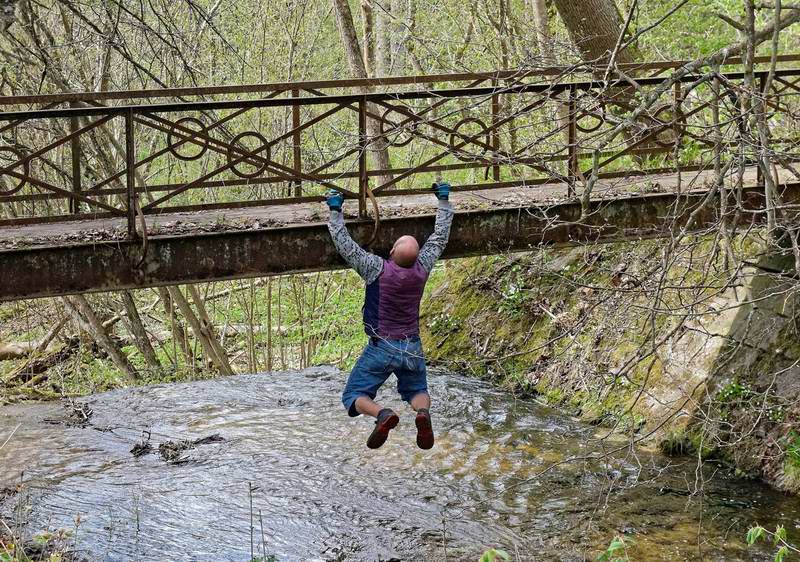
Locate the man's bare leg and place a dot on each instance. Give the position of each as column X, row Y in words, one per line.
column 421, row 403
column 367, row 407
column 386, row 420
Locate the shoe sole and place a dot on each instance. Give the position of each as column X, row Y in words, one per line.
column 424, row 432
column 381, row 432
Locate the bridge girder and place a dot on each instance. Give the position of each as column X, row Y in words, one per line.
column 189, row 258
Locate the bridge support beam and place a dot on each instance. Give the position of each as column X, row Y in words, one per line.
column 190, row 258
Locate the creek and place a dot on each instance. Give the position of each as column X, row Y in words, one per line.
column 505, row 472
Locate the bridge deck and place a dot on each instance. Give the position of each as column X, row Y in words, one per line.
column 282, row 216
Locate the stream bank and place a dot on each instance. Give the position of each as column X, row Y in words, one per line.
column 694, row 354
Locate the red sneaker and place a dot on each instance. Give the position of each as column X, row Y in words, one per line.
column 387, row 420
column 424, row 429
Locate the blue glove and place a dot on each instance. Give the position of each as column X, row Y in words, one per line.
column 442, row 190
column 334, row 199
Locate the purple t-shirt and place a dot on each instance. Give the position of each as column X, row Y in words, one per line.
column 391, row 306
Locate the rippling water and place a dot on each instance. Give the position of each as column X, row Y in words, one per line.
column 495, row 478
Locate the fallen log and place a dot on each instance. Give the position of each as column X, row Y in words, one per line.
column 20, row 350
column 40, row 365
column 16, row 350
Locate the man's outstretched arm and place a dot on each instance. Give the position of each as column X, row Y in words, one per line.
column 367, row 265
column 437, row 241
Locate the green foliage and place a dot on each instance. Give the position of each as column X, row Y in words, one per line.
column 442, row 323
column 780, row 534
column 675, row 442
column 793, row 448
column 554, row 396
column 778, row 539
column 776, row 413
column 47, row 546
column 754, row 534
column 512, row 299
column 791, row 463
column 733, row 391
column 493, row 555
column 616, row 551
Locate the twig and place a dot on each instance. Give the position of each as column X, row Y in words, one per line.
column 10, row 436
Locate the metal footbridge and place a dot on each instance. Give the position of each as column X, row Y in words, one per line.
column 124, row 189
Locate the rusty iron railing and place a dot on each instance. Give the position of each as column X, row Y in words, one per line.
column 77, row 156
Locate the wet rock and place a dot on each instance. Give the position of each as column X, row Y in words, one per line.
column 215, row 438
column 172, row 451
column 291, row 402
column 732, row 502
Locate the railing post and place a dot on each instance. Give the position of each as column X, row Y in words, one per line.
column 363, row 142
column 130, row 163
column 298, row 165
column 572, row 148
column 75, row 148
column 495, row 135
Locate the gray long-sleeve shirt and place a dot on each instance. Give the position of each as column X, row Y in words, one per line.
column 368, row 265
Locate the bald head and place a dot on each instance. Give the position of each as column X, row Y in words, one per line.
column 405, row 251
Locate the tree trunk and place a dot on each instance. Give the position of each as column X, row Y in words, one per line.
column 201, row 329
column 139, row 333
column 208, row 327
column 541, row 22
column 33, row 371
column 178, row 333
column 383, row 45
column 594, row 27
column 368, row 21
column 16, row 350
column 347, row 30
column 544, row 42
column 82, row 313
column 269, row 324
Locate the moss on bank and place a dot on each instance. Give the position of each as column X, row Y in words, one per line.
column 554, row 323
column 697, row 356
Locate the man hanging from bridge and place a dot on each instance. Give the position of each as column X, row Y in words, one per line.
column 391, row 320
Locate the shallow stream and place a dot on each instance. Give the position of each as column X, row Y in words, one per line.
column 499, row 476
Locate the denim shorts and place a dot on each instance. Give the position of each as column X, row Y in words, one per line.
column 378, row 361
